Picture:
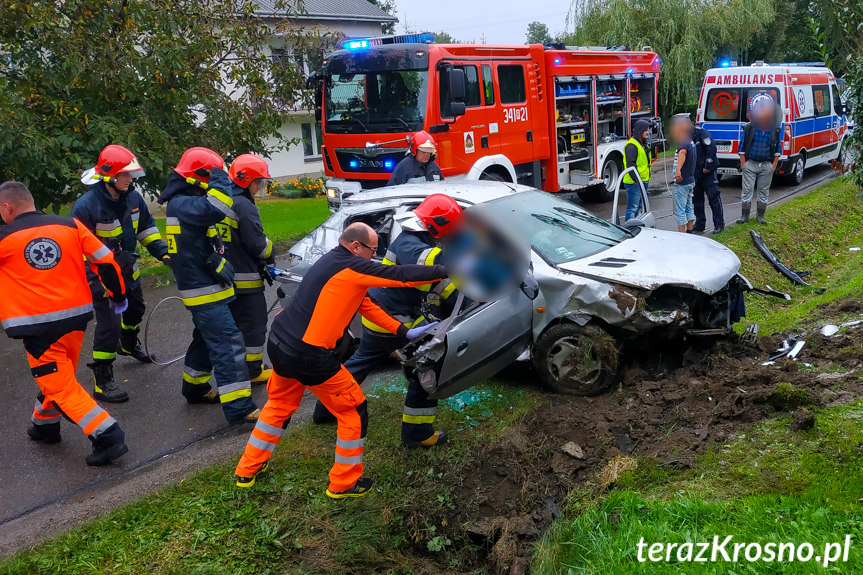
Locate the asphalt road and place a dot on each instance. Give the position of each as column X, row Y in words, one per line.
column 48, row 488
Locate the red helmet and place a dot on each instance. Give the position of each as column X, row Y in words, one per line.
column 439, row 213
column 247, row 168
column 423, row 142
column 197, row 162
column 116, row 160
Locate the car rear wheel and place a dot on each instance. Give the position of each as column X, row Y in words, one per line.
column 576, row 360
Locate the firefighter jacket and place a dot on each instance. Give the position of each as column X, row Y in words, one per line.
column 411, row 171
column 120, row 224
column 406, row 304
column 44, row 286
column 334, row 290
column 247, row 247
column 190, row 228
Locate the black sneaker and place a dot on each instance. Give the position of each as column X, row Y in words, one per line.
column 359, row 489
column 718, row 229
column 45, row 433
column 104, row 456
column 246, row 482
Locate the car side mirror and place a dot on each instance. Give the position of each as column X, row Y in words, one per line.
column 529, row 287
column 457, row 109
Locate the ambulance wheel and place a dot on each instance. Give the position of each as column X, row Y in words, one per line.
column 795, row 175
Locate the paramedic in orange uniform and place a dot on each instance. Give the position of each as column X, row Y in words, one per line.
column 47, row 304
column 301, row 348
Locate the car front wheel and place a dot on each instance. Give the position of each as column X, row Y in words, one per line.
column 576, row 360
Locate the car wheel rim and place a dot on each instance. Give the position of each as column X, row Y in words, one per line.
column 798, row 169
column 572, row 362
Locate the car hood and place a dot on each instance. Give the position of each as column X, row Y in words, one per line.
column 654, row 258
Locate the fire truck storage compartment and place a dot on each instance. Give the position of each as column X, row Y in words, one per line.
column 574, row 117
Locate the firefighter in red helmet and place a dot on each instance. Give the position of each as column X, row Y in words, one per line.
column 420, row 165
column 249, row 250
column 118, row 215
column 199, row 198
column 430, row 222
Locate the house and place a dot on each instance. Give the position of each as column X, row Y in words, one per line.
column 339, row 18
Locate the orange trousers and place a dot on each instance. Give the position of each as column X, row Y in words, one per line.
column 54, row 372
column 341, row 395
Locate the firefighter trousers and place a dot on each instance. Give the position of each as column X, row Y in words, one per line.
column 250, row 312
column 218, row 349
column 296, row 368
column 109, row 326
column 53, row 367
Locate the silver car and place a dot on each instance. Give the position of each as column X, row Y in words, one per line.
column 592, row 285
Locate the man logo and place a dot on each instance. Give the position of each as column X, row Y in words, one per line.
column 43, row 253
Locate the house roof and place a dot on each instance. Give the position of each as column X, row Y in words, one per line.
column 327, row 10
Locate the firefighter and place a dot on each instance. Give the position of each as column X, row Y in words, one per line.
column 301, row 346
column 419, row 166
column 706, row 183
column 47, row 304
column 249, row 250
column 436, row 216
column 118, row 215
column 198, row 195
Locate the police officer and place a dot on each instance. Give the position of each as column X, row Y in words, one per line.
column 198, row 195
column 46, row 303
column 114, row 210
column 249, row 250
column 420, row 165
column 432, row 220
column 706, row 183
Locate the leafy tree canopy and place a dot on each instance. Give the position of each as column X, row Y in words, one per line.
column 537, row 33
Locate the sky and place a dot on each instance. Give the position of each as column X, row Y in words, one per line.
column 502, row 21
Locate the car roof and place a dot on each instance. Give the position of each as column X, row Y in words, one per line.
column 463, row 191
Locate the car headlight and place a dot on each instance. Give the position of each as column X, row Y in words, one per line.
column 332, row 193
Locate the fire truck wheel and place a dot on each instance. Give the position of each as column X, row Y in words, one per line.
column 492, row 177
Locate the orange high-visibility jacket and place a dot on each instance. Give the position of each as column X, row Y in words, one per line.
column 43, row 284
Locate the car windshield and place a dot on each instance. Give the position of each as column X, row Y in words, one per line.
column 723, row 104
column 557, row 230
column 376, row 102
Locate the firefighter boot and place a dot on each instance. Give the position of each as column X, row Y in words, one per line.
column 110, row 445
column 745, row 209
column 358, row 489
column 45, row 433
column 437, row 438
column 762, row 209
column 104, row 388
column 130, row 345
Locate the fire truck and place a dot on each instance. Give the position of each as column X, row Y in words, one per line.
column 549, row 116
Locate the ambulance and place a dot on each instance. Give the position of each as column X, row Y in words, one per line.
column 814, row 119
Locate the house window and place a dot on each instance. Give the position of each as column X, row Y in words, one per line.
column 312, row 140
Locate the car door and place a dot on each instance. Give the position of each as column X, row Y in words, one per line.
column 462, row 144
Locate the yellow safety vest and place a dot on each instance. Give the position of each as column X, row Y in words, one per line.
column 642, row 163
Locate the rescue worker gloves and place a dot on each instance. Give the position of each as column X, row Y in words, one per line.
column 221, row 269
column 118, row 307
column 416, row 332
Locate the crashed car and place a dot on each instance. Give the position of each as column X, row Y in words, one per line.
column 591, row 286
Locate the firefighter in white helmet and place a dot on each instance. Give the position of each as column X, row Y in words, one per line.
column 419, row 166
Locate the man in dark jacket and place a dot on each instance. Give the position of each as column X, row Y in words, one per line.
column 198, row 195
column 705, row 181
column 420, row 165
column 759, row 154
column 249, row 250
column 636, row 153
column 117, row 214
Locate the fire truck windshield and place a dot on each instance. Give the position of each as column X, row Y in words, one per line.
column 383, row 101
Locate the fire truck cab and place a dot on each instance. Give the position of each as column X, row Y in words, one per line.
column 814, row 119
column 551, row 117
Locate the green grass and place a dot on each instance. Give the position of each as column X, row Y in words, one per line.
column 285, row 524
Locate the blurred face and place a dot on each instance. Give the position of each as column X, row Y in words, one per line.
column 423, row 157
column 645, row 134
column 124, row 180
column 681, row 132
column 763, row 115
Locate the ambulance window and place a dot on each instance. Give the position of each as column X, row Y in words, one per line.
column 822, row 101
column 510, row 78
column 837, row 102
column 723, row 105
column 472, row 90
column 488, row 85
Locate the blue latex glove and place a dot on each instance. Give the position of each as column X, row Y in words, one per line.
column 118, row 307
column 415, row 332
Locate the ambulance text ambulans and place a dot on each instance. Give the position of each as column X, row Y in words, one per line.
column 552, row 117
column 813, row 118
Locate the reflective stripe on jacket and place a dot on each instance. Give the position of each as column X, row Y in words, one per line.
column 246, row 244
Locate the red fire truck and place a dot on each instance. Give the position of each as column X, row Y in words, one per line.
column 552, row 117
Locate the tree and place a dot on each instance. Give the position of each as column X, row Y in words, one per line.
column 537, row 33
column 156, row 76
column 388, row 6
column 444, row 38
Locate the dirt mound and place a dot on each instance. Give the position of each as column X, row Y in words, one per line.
column 517, row 485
